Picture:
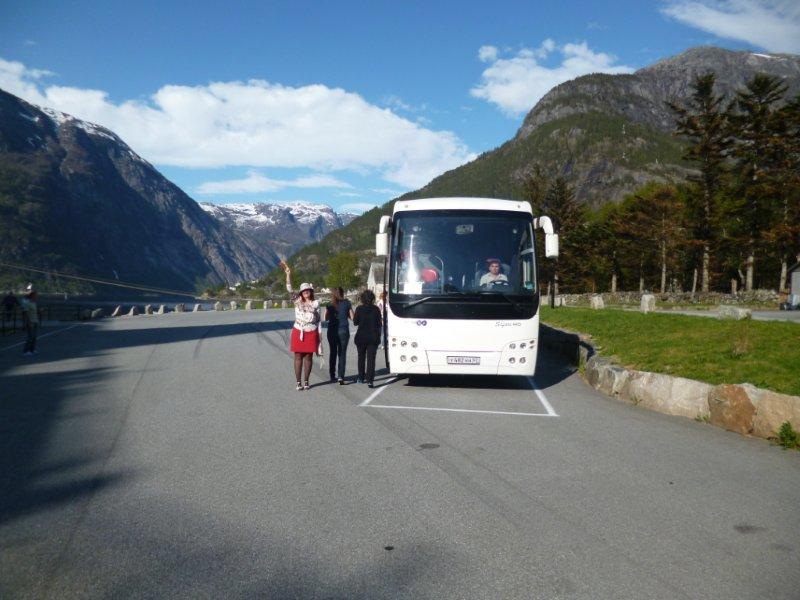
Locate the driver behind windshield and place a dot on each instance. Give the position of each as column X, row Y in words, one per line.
column 494, row 274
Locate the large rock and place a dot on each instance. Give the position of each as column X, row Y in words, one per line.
column 148, row 309
column 248, row 305
column 161, row 309
column 596, row 302
column 234, row 305
column 773, row 410
column 733, row 312
column 133, row 311
column 648, row 303
column 180, row 307
column 666, row 394
column 605, row 376
column 197, row 308
column 732, row 407
column 218, row 306
column 117, row 312
column 98, row 313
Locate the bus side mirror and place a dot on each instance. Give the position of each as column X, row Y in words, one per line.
column 381, row 244
column 551, row 245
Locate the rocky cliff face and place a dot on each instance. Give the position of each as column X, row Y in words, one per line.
column 609, row 134
column 642, row 96
column 284, row 228
column 75, row 197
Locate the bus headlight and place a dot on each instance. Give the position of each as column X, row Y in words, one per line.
column 522, row 346
column 403, row 344
column 413, row 359
column 512, row 360
column 413, row 344
column 512, row 346
column 522, row 360
column 402, row 358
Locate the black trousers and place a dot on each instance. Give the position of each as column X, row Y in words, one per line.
column 337, row 341
column 366, row 352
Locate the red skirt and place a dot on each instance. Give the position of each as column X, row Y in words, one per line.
column 309, row 343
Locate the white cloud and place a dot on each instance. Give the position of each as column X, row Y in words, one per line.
column 349, row 194
column 487, row 53
column 515, row 84
column 356, row 207
column 388, row 191
column 770, row 24
column 256, row 124
column 255, row 182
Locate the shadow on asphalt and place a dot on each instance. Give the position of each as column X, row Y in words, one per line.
column 31, row 404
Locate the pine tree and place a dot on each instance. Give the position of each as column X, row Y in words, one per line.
column 785, row 235
column 705, row 125
column 758, row 131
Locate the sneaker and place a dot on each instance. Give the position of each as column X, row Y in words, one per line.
column 371, row 385
column 341, row 381
column 306, row 386
column 359, row 380
column 299, row 387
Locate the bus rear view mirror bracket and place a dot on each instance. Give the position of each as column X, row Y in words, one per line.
column 550, row 236
column 382, row 237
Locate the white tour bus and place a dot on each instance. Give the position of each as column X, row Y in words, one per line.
column 462, row 294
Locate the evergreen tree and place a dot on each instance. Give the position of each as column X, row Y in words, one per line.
column 758, row 131
column 705, row 125
column 785, row 234
column 649, row 229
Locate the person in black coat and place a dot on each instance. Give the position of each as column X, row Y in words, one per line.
column 368, row 320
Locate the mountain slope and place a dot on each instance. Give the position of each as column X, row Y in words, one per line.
column 283, row 228
column 607, row 134
column 74, row 197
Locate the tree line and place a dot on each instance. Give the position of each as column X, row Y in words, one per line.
column 733, row 223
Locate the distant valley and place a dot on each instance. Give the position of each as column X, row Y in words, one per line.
column 283, row 228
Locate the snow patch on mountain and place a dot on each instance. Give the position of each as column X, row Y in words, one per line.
column 284, row 227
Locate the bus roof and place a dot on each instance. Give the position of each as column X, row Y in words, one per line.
column 462, row 204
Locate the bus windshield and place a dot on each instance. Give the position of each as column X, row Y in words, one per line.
column 468, row 252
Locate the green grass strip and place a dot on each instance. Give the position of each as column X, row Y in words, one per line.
column 764, row 353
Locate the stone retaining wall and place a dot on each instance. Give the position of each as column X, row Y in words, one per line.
column 634, row 298
column 742, row 408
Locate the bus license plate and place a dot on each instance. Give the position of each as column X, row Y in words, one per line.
column 463, row 360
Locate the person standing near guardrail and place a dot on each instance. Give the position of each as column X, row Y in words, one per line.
column 30, row 317
column 305, row 340
column 9, row 303
column 368, row 319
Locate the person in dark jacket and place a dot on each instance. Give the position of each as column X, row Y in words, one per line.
column 338, row 314
column 368, row 319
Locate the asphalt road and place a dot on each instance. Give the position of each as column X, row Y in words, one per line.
column 169, row 456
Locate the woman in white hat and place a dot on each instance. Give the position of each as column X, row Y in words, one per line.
column 305, row 339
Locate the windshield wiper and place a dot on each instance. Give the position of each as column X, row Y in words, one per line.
column 420, row 301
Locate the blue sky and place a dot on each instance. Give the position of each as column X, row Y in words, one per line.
column 347, row 103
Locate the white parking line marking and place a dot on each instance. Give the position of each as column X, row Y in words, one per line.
column 38, row 337
column 464, row 410
column 374, row 394
column 542, row 398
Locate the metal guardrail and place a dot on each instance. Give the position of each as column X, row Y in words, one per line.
column 10, row 321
